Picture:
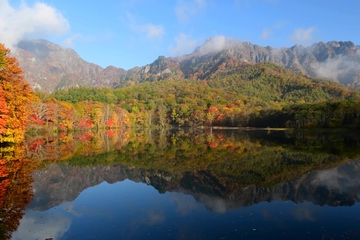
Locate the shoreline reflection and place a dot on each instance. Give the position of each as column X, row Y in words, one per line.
column 136, row 181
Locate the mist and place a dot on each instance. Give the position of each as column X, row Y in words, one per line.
column 337, row 68
column 217, row 43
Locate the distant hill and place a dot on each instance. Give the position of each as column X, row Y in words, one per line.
column 49, row 67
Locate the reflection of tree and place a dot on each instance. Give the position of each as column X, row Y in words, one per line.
column 68, row 144
column 245, row 158
column 15, row 189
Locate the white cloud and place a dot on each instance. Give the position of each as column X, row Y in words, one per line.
column 214, row 44
column 302, row 35
column 186, row 9
column 101, row 37
column 242, row 4
column 218, row 43
column 151, row 31
column 266, row 33
column 183, row 45
column 68, row 42
column 29, row 22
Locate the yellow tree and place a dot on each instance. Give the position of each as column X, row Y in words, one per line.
column 17, row 95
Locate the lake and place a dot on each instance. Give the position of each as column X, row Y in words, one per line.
column 182, row 184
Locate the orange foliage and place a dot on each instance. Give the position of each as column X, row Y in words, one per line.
column 3, row 112
column 17, row 95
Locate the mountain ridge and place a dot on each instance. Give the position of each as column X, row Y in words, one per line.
column 49, row 67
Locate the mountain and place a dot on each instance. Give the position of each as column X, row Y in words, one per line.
column 48, row 67
column 336, row 61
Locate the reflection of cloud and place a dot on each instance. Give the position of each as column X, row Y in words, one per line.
column 40, row 225
column 331, row 179
column 69, row 207
column 214, row 204
column 184, row 203
column 266, row 214
column 303, row 213
column 154, row 218
column 18, row 24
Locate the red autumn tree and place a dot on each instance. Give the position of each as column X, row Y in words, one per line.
column 17, row 95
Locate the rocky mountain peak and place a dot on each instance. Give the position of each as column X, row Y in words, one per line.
column 48, row 66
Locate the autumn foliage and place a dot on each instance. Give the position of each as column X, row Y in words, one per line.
column 15, row 97
column 3, row 112
column 57, row 116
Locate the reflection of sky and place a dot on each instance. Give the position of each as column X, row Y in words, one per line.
column 184, row 204
column 128, row 210
column 42, row 225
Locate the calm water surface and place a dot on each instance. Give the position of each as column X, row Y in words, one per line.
column 219, row 185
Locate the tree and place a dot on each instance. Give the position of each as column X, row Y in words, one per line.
column 3, row 112
column 2, row 59
column 162, row 114
column 17, row 95
column 211, row 113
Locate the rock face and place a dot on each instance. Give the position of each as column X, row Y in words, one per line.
column 336, row 61
column 48, row 66
column 334, row 187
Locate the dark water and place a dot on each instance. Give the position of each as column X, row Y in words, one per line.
column 219, row 185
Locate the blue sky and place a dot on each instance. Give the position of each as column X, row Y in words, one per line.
column 133, row 33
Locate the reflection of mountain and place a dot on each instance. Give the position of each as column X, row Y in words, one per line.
column 336, row 187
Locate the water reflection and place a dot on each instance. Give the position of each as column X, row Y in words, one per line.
column 223, row 184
